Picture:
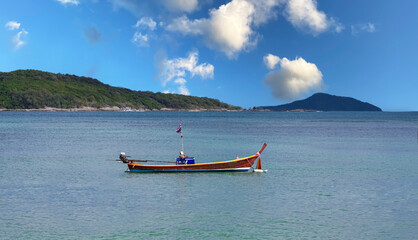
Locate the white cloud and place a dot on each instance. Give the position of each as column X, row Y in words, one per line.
column 366, row 27
column 148, row 25
column 12, row 25
column 69, row 2
column 17, row 39
column 228, row 28
column 181, row 5
column 180, row 81
column 182, row 89
column 146, row 22
column 304, row 15
column 294, row 78
column 271, row 61
column 185, row 26
column 140, row 40
column 179, row 68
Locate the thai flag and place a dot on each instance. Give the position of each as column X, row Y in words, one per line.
column 178, row 130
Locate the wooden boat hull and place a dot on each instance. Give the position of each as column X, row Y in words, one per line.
column 238, row 165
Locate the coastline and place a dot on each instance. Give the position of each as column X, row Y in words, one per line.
column 114, row 109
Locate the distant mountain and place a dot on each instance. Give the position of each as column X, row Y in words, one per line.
column 32, row 89
column 324, row 102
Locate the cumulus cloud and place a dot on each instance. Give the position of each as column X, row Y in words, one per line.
column 181, row 5
column 176, row 70
column 271, row 61
column 12, row 25
column 17, row 39
column 227, row 29
column 146, row 22
column 304, row 15
column 92, row 34
column 293, row 78
column 366, row 27
column 69, row 2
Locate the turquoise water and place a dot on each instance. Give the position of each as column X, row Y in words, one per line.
column 330, row 176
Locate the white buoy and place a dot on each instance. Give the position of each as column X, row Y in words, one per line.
column 260, row 170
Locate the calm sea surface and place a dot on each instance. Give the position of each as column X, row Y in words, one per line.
column 337, row 175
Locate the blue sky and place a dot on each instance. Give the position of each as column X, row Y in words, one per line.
column 243, row 52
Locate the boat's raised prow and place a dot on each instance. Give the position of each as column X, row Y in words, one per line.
column 240, row 164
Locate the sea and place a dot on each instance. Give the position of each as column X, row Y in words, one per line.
column 331, row 175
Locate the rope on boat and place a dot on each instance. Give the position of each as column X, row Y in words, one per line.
column 131, row 160
column 251, row 165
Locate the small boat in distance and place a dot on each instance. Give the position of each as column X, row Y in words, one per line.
column 187, row 164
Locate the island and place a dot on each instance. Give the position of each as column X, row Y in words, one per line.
column 39, row 90
column 323, row 102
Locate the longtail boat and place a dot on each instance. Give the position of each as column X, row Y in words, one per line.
column 187, row 164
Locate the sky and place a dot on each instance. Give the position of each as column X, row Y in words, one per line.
column 243, row 52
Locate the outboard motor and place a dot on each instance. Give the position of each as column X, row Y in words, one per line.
column 122, row 157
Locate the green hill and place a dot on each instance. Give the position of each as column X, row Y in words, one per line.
column 32, row 89
column 325, row 102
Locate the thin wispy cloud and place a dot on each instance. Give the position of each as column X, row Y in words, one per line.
column 69, row 2
column 181, row 5
column 12, row 25
column 265, row 10
column 365, row 27
column 140, row 40
column 143, row 26
column 182, row 89
column 292, row 78
column 146, row 22
column 18, row 39
column 168, row 7
column 132, row 6
column 176, row 70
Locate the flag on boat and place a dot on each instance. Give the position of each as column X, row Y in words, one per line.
column 178, row 130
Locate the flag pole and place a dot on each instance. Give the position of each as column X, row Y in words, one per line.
column 182, row 146
column 178, row 130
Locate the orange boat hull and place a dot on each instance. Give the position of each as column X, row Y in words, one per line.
column 241, row 164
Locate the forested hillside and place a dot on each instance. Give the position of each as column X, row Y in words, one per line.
column 32, row 89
